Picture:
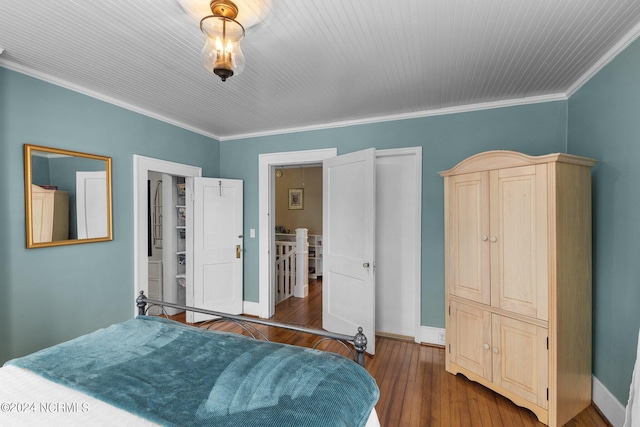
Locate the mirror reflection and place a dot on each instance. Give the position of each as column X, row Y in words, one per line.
column 67, row 197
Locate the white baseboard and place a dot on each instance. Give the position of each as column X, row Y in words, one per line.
column 251, row 308
column 431, row 335
column 607, row 403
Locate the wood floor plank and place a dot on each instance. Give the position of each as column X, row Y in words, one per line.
column 469, row 394
column 430, row 383
column 415, row 389
column 411, row 402
column 400, row 385
column 486, row 406
column 385, row 381
column 446, row 396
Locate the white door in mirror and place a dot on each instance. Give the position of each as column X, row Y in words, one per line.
column 91, row 204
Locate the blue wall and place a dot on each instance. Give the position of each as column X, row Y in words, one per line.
column 445, row 140
column 604, row 124
column 49, row 295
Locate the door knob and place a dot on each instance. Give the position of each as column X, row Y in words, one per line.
column 485, row 346
column 484, row 237
column 494, row 239
column 365, row 265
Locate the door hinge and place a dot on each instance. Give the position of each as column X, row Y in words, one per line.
column 547, row 393
column 547, row 343
column 449, row 348
column 449, row 310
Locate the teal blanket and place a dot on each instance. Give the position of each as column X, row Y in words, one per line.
column 175, row 374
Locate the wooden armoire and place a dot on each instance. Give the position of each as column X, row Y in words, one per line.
column 518, row 278
column 49, row 214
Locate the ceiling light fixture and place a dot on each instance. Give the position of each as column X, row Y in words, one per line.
column 221, row 54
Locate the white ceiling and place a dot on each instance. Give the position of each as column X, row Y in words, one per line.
column 313, row 64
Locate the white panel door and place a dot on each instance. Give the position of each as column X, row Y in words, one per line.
column 91, row 204
column 214, row 246
column 398, row 244
column 155, row 286
column 348, row 298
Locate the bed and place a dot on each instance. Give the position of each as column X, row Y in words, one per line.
column 154, row 371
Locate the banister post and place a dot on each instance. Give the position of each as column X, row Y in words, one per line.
column 301, row 289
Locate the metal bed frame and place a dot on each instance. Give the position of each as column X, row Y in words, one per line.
column 358, row 341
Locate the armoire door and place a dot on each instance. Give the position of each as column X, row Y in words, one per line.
column 520, row 358
column 468, row 250
column 518, row 240
column 470, row 340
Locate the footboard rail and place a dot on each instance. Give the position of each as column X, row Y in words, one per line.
column 358, row 341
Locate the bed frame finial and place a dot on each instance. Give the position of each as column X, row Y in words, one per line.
column 360, row 344
column 141, row 302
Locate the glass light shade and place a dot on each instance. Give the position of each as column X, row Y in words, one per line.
column 221, row 54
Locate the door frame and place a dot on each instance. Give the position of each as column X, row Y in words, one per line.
column 141, row 167
column 266, row 204
column 266, row 222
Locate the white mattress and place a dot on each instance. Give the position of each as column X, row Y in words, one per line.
column 27, row 399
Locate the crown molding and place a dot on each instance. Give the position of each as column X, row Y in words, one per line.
column 100, row 96
column 406, row 116
column 629, row 38
column 343, row 123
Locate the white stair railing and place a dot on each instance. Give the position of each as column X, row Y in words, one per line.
column 292, row 272
column 285, row 270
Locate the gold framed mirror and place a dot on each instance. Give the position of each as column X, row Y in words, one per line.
column 67, row 197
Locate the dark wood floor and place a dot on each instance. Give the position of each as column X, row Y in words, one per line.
column 415, row 389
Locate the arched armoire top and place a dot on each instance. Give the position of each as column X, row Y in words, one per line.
column 500, row 159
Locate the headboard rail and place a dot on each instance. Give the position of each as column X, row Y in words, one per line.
column 358, row 341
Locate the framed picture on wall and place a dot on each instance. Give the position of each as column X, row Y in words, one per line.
column 296, row 198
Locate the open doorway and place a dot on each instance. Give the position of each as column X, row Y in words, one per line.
column 225, row 229
column 166, row 240
column 267, row 164
column 298, row 205
column 398, row 242
column 142, row 166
